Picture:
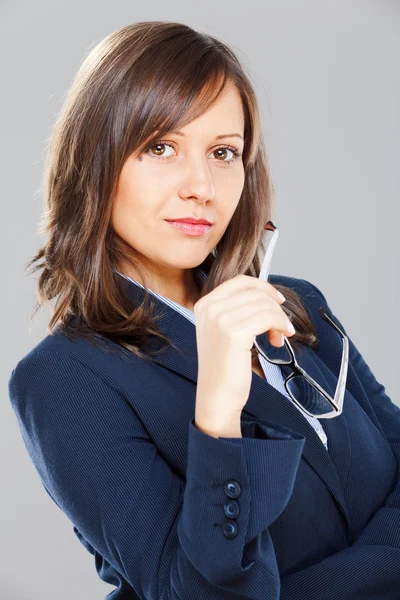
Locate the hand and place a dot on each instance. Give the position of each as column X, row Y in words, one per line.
column 228, row 319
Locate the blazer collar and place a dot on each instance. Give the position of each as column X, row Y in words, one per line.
column 265, row 402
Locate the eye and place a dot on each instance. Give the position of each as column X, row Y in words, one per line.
column 157, row 147
column 231, row 149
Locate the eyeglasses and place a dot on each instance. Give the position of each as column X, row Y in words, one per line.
column 308, row 395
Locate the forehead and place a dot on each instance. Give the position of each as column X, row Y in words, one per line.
column 224, row 118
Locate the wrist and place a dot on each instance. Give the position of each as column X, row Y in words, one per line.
column 229, row 427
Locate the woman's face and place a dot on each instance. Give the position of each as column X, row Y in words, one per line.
column 186, row 176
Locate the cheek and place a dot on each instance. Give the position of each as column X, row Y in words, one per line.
column 135, row 217
column 132, row 199
column 231, row 198
column 229, row 189
column 130, row 218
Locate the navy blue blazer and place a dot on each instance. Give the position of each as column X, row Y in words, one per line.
column 169, row 512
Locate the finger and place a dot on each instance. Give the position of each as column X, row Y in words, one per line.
column 256, row 318
column 245, row 300
column 275, row 338
column 240, row 282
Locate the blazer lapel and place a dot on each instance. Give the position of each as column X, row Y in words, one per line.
column 265, row 402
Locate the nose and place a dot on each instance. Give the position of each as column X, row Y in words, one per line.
column 197, row 182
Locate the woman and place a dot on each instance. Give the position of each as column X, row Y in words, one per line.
column 183, row 464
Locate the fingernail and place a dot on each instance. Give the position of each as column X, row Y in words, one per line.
column 281, row 296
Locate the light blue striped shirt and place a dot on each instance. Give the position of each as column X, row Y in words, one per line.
column 272, row 372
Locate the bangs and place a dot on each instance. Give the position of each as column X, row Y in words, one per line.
column 174, row 97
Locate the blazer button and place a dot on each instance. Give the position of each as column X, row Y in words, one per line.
column 231, row 509
column 232, row 489
column 230, row 529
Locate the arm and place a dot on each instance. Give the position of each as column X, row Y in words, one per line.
column 99, row 465
column 384, row 527
column 356, row 573
column 367, row 570
column 370, row 568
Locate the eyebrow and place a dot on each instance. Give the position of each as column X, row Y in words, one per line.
column 217, row 137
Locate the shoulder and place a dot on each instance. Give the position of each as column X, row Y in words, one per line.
column 308, row 291
column 59, row 352
column 314, row 303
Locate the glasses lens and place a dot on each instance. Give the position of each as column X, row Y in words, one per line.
column 308, row 396
column 281, row 356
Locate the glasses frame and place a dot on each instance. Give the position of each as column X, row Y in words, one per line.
column 337, row 401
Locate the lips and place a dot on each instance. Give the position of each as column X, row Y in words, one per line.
column 188, row 228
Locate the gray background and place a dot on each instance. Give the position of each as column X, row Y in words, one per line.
column 327, row 77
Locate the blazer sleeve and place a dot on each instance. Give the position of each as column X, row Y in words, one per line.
column 167, row 537
column 384, row 527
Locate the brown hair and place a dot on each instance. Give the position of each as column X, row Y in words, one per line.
column 144, row 78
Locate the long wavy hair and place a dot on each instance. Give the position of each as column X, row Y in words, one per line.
column 137, row 84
